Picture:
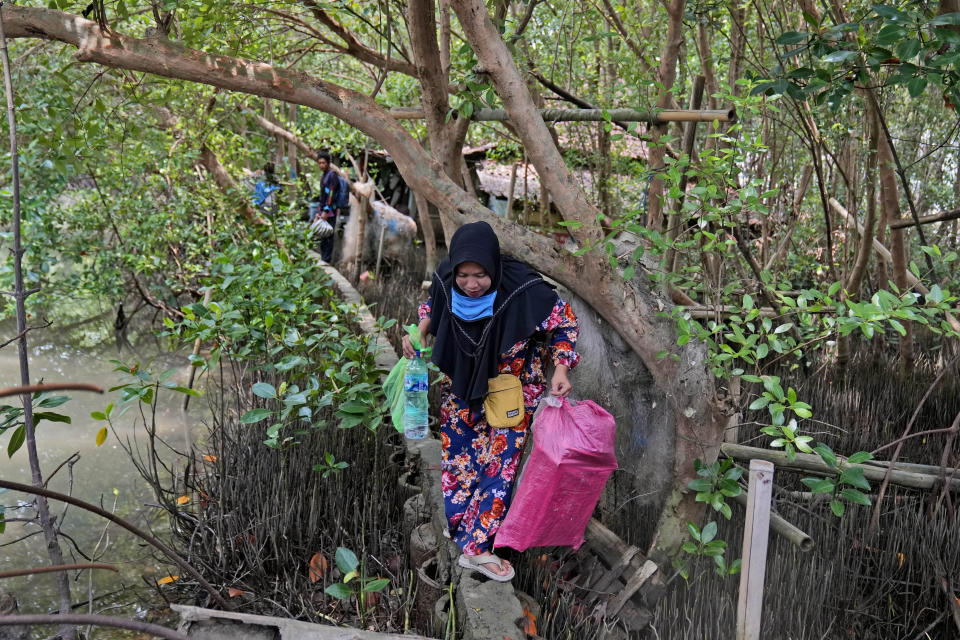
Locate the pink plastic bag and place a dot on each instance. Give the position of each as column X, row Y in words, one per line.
column 572, row 457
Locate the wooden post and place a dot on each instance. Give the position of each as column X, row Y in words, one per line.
column 755, row 535
column 383, row 228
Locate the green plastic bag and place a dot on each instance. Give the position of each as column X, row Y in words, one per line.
column 393, row 390
column 393, row 385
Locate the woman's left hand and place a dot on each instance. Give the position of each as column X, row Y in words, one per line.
column 560, row 384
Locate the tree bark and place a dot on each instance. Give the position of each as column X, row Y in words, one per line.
column 891, row 211
column 667, row 75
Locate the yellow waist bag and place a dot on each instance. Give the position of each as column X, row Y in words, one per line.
column 504, row 402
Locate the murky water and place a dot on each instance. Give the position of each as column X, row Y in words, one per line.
column 103, row 475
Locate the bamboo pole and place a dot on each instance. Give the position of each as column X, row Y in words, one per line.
column 591, row 115
column 782, row 527
column 755, row 539
column 814, row 464
column 940, row 217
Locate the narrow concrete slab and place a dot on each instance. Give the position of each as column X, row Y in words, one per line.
column 210, row 624
column 490, row 609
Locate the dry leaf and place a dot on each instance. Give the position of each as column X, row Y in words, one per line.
column 101, row 436
column 233, row 592
column 529, row 622
column 167, row 580
column 183, row 500
column 210, row 458
column 318, row 566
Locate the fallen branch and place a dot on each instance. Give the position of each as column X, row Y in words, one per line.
column 61, row 567
column 49, row 386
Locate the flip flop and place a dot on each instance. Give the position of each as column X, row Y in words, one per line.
column 475, row 563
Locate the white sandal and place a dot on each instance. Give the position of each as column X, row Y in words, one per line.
column 475, row 563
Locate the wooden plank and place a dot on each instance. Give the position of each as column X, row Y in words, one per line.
column 633, row 585
column 613, row 574
column 756, row 535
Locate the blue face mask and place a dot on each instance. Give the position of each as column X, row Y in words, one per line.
column 470, row 309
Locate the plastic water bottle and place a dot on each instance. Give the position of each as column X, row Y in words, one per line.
column 415, row 406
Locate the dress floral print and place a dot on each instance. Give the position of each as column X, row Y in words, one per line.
column 480, row 462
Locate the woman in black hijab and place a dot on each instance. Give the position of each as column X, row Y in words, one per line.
column 490, row 314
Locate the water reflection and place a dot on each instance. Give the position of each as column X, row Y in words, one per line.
column 103, row 475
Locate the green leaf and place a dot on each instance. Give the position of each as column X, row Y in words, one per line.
column 52, row 401
column 52, row 417
column 759, row 403
column 916, row 86
column 856, row 497
column 709, row 532
column 264, row 390
column 860, row 457
column 838, row 508
column 700, row 484
column 376, row 585
column 792, row 37
column 356, row 407
column 826, row 454
column 908, row 49
column 346, row 560
column 854, row 476
column 694, row 532
column 945, row 19
column 16, row 440
column 289, row 362
column 783, row 328
column 339, row 591
column 819, row 485
column 255, row 415
column 98, row 415
column 839, row 56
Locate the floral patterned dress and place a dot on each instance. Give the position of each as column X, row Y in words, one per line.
column 479, row 461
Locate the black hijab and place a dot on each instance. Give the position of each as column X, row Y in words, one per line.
column 469, row 352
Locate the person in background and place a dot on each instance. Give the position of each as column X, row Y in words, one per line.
column 329, row 194
column 266, row 184
column 485, row 311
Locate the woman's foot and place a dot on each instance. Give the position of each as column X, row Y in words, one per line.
column 489, row 565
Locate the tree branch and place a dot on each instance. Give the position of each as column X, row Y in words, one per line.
column 356, row 48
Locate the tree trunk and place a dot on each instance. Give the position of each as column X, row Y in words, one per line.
column 891, row 211
column 667, row 75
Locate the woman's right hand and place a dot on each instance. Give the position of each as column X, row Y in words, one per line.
column 408, row 350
